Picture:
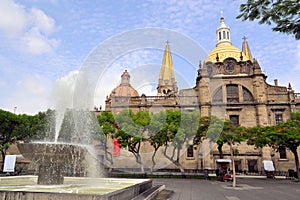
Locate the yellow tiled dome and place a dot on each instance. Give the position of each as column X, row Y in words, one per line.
column 225, row 50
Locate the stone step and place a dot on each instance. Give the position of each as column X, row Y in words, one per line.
column 151, row 193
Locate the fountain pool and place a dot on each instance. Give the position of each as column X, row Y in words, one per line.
column 26, row 187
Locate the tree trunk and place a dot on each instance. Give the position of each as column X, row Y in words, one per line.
column 153, row 160
column 175, row 162
column 139, row 161
column 220, row 146
column 294, row 150
column 3, row 156
column 233, row 165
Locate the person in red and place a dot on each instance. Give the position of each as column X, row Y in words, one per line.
column 116, row 151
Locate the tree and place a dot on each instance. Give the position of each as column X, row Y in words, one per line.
column 170, row 129
column 132, row 131
column 107, row 125
column 19, row 127
column 284, row 14
column 42, row 126
column 228, row 133
column 157, row 134
column 203, row 126
column 286, row 134
column 8, row 126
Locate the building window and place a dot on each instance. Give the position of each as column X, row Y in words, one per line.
column 190, row 151
column 282, row 152
column 220, row 36
column 229, row 67
column 227, row 35
column 232, row 93
column 234, row 119
column 218, row 97
column 247, row 96
column 224, row 35
column 278, row 119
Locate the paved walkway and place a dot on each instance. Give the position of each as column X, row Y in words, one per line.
column 247, row 189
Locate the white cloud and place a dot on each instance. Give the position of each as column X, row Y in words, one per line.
column 39, row 19
column 29, row 29
column 12, row 18
column 30, row 94
column 36, row 43
column 32, row 84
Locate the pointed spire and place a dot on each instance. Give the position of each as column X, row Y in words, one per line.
column 166, row 82
column 246, row 49
column 223, row 33
column 290, row 87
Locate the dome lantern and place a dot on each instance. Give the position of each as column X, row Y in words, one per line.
column 223, row 33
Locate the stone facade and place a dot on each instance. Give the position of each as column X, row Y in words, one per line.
column 230, row 85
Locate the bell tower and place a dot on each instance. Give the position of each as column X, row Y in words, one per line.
column 166, row 82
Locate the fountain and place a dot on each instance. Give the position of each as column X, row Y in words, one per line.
column 55, row 160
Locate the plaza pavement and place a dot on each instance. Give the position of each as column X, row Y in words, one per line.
column 248, row 188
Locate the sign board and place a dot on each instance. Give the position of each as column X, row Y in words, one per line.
column 9, row 163
column 223, row 161
column 268, row 165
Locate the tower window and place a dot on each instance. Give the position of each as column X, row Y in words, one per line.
column 232, row 93
column 224, row 36
column 227, row 35
column 220, row 36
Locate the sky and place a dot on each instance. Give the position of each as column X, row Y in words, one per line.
column 45, row 45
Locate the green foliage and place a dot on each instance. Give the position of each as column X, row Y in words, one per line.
column 286, row 134
column 107, row 124
column 203, row 126
column 132, row 129
column 20, row 127
column 223, row 131
column 284, row 14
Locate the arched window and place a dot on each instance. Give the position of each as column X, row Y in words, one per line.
column 247, row 96
column 220, row 36
column 218, row 97
column 232, row 93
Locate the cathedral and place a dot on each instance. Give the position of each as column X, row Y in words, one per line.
column 230, row 85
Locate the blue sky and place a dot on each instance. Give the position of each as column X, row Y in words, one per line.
column 44, row 44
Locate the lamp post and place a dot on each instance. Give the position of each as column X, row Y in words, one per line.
column 15, row 108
